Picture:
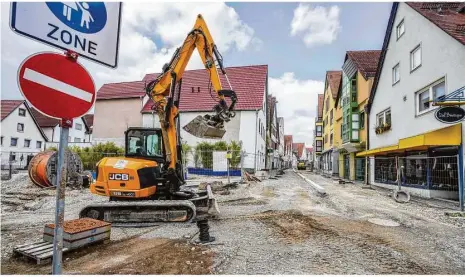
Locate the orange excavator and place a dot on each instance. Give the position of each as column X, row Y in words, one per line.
column 146, row 186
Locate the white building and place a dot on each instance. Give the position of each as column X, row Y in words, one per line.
column 423, row 58
column 78, row 134
column 21, row 135
column 281, row 141
column 123, row 105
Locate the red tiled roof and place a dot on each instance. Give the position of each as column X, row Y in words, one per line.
column 121, row 90
column 320, row 105
column 366, row 61
column 43, row 120
column 299, row 147
column 287, row 139
column 334, row 80
column 9, row 106
column 449, row 19
column 309, row 149
column 249, row 83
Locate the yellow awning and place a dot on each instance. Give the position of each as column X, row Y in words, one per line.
column 441, row 137
column 448, row 136
column 377, row 151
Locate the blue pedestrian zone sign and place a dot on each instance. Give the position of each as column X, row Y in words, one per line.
column 90, row 29
column 84, row 17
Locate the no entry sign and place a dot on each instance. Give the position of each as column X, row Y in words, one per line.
column 56, row 85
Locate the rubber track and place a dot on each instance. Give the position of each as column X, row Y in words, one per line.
column 154, row 203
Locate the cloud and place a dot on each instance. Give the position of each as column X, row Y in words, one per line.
column 316, row 26
column 150, row 34
column 297, row 101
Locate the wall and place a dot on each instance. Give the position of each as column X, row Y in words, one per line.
column 150, row 120
column 442, row 56
column 53, row 133
column 31, row 131
column 113, row 117
column 329, row 127
column 363, row 93
column 252, row 142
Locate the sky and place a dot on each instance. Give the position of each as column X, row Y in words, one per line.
column 298, row 41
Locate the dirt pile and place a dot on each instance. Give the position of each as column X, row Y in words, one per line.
column 132, row 256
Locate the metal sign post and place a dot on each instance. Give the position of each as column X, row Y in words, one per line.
column 60, row 197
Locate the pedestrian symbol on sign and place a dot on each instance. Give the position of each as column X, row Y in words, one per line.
column 85, row 17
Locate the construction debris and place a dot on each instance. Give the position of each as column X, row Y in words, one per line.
column 250, row 177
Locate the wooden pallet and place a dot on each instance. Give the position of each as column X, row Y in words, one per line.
column 41, row 252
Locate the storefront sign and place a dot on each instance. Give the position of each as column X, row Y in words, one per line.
column 450, row 114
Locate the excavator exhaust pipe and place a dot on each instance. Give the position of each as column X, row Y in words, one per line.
column 201, row 128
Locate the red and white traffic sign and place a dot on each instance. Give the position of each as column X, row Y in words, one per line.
column 56, row 85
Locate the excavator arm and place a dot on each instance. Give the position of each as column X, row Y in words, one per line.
column 165, row 92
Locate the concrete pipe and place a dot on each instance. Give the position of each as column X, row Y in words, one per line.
column 43, row 167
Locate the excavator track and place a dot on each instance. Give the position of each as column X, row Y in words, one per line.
column 142, row 213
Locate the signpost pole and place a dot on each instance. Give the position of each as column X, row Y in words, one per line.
column 60, row 198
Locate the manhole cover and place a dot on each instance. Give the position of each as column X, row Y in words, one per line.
column 383, row 222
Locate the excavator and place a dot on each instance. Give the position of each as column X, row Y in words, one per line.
column 147, row 185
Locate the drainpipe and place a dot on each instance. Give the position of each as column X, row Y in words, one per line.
column 367, row 113
column 256, row 135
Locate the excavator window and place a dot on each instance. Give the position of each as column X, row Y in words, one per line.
column 144, row 143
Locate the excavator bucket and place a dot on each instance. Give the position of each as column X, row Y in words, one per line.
column 200, row 128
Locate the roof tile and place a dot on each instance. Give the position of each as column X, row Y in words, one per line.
column 8, row 106
column 320, row 105
column 249, row 83
column 449, row 19
column 334, row 80
column 43, row 120
column 366, row 61
column 121, row 90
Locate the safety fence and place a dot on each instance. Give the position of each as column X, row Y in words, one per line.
column 433, row 173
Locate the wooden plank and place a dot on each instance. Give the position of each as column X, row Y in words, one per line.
column 29, row 246
column 32, row 251
column 48, row 254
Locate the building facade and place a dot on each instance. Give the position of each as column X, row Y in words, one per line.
column 21, row 135
column 358, row 72
column 329, row 154
column 134, row 109
column 318, row 134
column 422, row 60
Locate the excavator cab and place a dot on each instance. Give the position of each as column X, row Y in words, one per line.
column 144, row 143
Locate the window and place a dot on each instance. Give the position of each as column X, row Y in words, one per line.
column 14, row 141
column 395, row 74
column 428, row 94
column 38, row 144
column 27, row 143
column 77, row 140
column 362, row 120
column 327, row 104
column 355, row 125
column 78, row 126
column 21, row 112
column 318, row 131
column 400, row 30
column 331, row 139
column 331, row 117
column 20, row 127
column 384, row 118
column 2, row 141
column 319, row 143
column 415, row 58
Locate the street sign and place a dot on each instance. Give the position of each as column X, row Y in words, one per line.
column 56, row 85
column 450, row 114
column 90, row 29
